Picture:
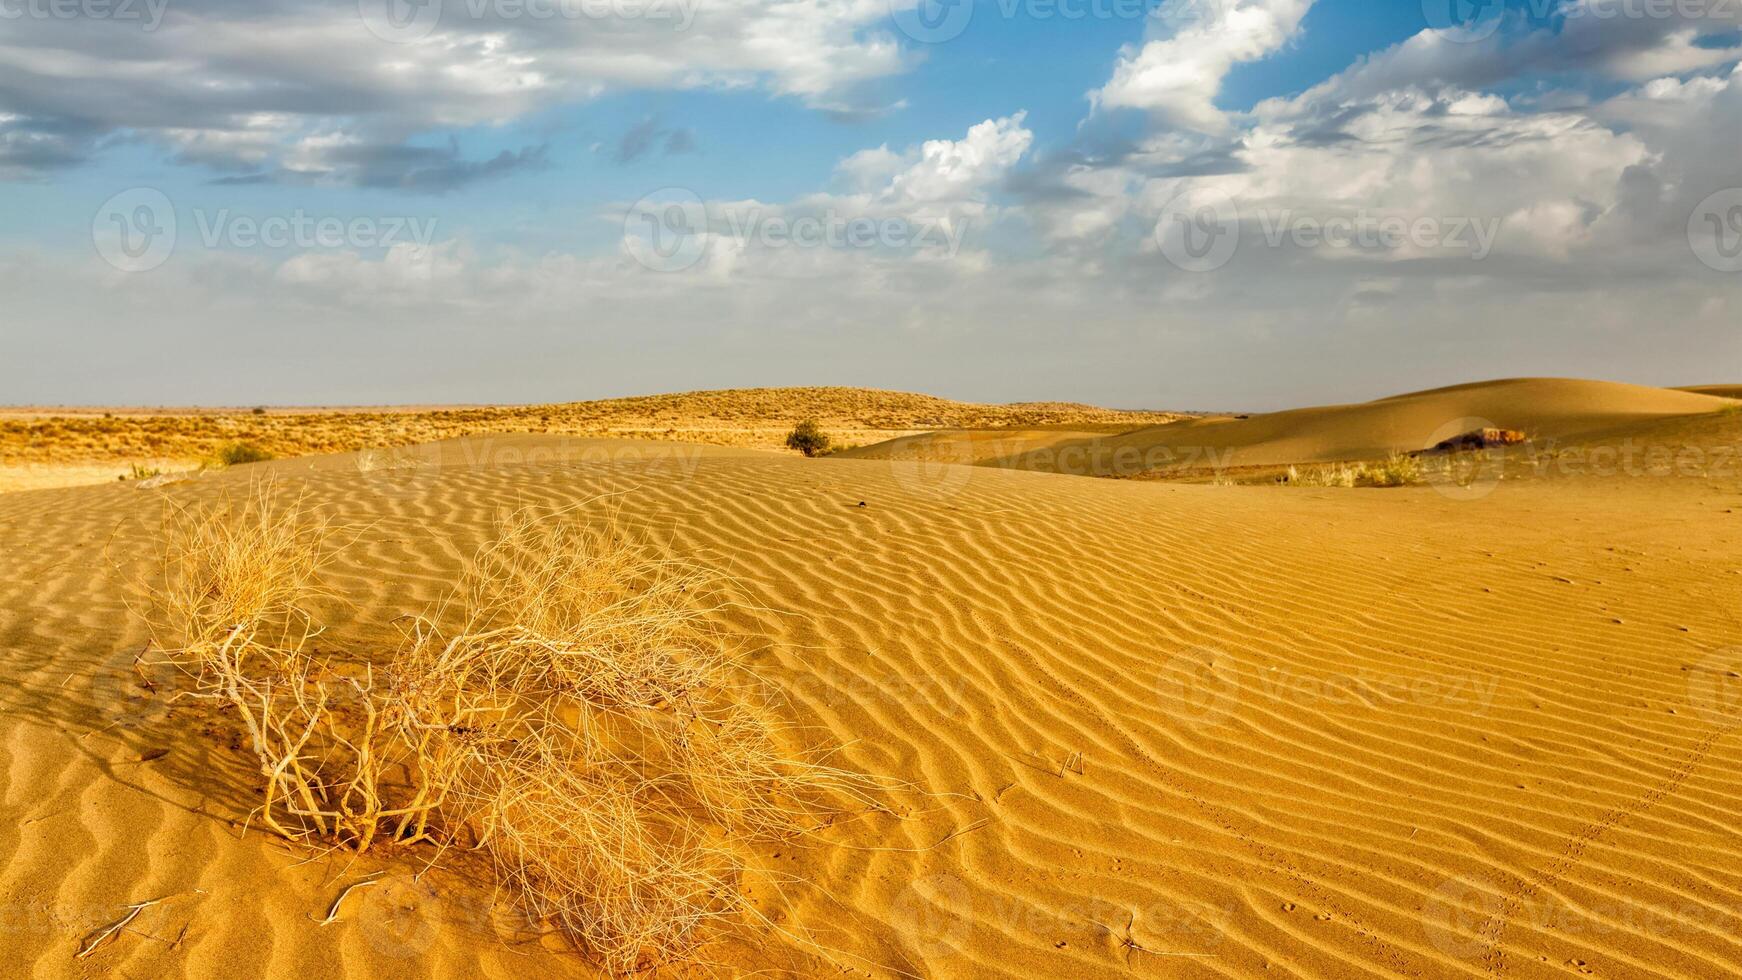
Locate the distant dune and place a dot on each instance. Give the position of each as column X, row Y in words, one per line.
column 1543, row 408
column 1721, row 391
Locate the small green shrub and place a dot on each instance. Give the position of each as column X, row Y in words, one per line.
column 237, row 453
column 808, row 439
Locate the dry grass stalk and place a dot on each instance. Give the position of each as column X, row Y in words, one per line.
column 333, row 910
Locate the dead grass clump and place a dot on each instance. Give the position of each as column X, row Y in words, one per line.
column 243, row 573
column 584, row 721
column 1337, row 475
column 1396, row 470
column 233, row 607
column 572, row 710
column 588, row 851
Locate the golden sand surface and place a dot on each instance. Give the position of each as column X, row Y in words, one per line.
column 1491, row 728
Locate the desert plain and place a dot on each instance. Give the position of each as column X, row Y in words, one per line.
column 1142, row 693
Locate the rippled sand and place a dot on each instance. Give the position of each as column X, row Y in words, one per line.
column 1166, row 730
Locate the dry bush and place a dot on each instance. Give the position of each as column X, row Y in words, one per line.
column 572, row 710
column 583, row 720
column 1396, row 470
column 1337, row 475
column 231, row 605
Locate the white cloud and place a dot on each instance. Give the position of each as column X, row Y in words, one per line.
column 1447, row 156
column 962, row 170
column 1592, row 37
column 1177, row 75
column 235, row 84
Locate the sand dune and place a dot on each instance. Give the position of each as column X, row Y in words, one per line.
column 1161, row 730
column 1721, row 391
column 1551, row 410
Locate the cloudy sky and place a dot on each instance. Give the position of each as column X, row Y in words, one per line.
column 1180, row 204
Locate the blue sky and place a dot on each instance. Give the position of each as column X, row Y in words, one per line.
column 749, row 144
column 1028, row 179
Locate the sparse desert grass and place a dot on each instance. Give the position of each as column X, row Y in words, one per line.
column 745, row 418
column 1339, row 476
column 1396, row 470
column 572, row 710
column 1334, row 475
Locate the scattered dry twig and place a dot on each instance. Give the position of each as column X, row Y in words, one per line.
column 97, row 939
column 333, row 911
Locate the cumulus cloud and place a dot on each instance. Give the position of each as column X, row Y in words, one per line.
column 917, row 205
column 1177, row 72
column 953, row 169
column 1415, row 131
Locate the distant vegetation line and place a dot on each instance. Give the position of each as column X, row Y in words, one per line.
column 749, row 418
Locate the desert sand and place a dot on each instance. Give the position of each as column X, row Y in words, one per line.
column 1153, row 728
column 43, row 447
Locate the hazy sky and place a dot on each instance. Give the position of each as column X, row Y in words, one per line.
column 1183, row 204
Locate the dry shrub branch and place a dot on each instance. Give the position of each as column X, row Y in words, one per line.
column 572, row 710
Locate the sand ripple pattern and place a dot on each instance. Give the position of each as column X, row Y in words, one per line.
column 1161, row 730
